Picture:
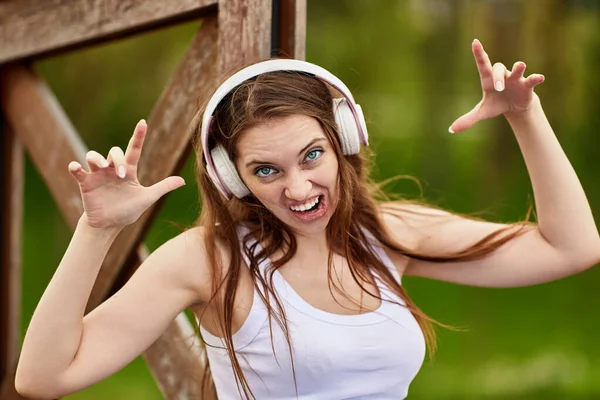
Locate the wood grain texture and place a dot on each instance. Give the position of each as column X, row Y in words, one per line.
column 175, row 361
column 33, row 28
column 166, row 147
column 299, row 29
column 10, row 259
column 244, row 32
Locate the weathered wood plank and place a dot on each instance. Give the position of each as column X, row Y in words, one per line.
column 167, row 145
column 292, row 29
column 11, row 205
column 175, row 361
column 244, row 32
column 33, row 28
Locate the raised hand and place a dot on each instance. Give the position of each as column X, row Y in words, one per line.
column 504, row 91
column 111, row 194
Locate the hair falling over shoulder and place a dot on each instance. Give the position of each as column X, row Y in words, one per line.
column 280, row 94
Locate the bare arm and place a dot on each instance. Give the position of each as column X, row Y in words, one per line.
column 526, row 260
column 56, row 326
column 564, row 242
column 65, row 352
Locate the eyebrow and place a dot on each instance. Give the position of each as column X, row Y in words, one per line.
column 315, row 140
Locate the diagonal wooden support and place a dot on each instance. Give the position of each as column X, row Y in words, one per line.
column 52, row 142
column 11, row 207
column 34, row 28
column 176, row 358
column 37, row 119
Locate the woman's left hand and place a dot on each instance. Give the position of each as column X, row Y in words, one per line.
column 504, row 91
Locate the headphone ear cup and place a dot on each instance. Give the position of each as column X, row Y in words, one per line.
column 227, row 172
column 347, row 126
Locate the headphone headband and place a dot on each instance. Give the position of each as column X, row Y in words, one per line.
column 255, row 70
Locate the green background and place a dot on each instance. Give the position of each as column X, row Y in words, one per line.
column 409, row 65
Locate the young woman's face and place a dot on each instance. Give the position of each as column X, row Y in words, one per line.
column 291, row 168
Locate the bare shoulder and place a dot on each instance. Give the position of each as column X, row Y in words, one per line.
column 409, row 223
column 186, row 259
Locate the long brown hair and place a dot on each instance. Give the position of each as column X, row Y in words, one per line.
column 358, row 213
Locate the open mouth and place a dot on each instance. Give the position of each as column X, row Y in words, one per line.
column 312, row 210
column 307, row 207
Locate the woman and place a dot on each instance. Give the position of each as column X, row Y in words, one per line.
column 294, row 269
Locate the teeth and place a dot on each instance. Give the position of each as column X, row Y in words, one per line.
column 305, row 206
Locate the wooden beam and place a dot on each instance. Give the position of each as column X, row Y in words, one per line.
column 166, row 148
column 32, row 28
column 292, row 29
column 11, row 206
column 244, row 32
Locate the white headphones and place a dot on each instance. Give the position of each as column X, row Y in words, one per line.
column 349, row 117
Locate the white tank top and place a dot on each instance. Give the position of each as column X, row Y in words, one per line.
column 374, row 355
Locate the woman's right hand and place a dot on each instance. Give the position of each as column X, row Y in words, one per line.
column 111, row 194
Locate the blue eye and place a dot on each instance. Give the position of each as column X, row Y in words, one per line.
column 313, row 154
column 263, row 171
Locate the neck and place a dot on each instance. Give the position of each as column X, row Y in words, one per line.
column 312, row 253
column 312, row 244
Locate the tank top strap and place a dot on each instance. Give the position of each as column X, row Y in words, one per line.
column 257, row 316
column 242, row 231
column 246, row 246
column 378, row 250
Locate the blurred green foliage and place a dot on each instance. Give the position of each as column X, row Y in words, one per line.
column 409, row 65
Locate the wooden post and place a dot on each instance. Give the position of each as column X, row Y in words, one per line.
column 291, row 29
column 11, row 206
column 244, row 32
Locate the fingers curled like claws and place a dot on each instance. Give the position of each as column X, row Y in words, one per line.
column 498, row 75
column 95, row 160
column 77, row 171
column 117, row 159
column 533, row 80
column 517, row 70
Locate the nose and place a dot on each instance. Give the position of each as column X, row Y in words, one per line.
column 297, row 186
